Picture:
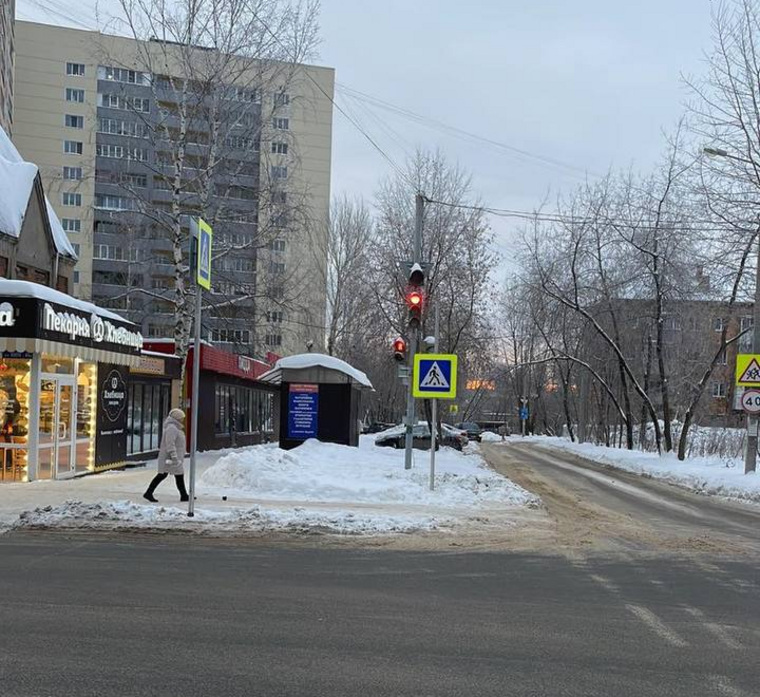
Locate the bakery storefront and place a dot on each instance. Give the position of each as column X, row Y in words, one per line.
column 64, row 371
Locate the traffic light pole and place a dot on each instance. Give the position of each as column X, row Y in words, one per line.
column 413, row 336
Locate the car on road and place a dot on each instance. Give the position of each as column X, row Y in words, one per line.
column 377, row 427
column 472, row 429
column 421, row 438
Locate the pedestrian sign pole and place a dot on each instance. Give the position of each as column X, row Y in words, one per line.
column 748, row 377
column 434, row 377
column 201, row 245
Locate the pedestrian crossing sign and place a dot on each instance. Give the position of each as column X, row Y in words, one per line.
column 748, row 369
column 435, row 376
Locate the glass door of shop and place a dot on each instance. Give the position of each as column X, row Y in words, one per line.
column 57, row 432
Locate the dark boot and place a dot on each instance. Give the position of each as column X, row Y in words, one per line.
column 152, row 487
column 180, row 481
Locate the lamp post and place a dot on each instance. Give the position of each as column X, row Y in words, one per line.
column 750, row 457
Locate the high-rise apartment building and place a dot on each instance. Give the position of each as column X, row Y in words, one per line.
column 106, row 132
column 7, row 12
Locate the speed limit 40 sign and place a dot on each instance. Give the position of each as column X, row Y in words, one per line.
column 751, row 401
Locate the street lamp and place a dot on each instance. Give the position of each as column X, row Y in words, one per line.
column 750, row 457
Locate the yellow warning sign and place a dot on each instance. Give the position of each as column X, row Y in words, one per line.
column 748, row 369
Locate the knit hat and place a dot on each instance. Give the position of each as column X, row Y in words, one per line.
column 177, row 414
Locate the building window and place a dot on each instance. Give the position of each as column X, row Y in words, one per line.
column 281, row 99
column 718, row 389
column 72, row 225
column 75, row 69
column 74, row 95
column 275, row 317
column 280, row 124
column 72, row 147
column 277, row 245
column 76, row 276
column 73, row 121
column 70, row 199
column 75, row 245
column 72, row 173
column 279, row 172
column 273, row 339
column 718, row 324
column 280, row 148
column 723, row 358
column 277, row 267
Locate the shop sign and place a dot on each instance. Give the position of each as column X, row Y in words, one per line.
column 7, row 315
column 150, row 366
column 303, row 407
column 111, row 416
column 94, row 327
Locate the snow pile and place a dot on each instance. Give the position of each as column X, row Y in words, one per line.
column 125, row 515
column 705, row 475
column 489, row 437
column 327, row 472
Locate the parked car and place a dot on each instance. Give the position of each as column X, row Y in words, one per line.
column 421, row 438
column 377, row 427
column 472, row 429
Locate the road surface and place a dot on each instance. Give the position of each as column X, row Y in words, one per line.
column 600, row 607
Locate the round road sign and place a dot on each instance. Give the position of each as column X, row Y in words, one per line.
column 751, row 401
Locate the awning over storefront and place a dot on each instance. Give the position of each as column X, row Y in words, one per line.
column 57, row 348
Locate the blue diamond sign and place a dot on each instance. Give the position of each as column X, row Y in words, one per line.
column 435, row 376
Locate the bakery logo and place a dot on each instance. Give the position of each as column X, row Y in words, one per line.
column 114, row 396
column 7, row 315
column 97, row 327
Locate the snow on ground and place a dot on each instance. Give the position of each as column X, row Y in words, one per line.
column 719, row 476
column 489, row 437
column 317, row 487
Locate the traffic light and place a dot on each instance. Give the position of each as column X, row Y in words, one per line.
column 415, row 296
column 399, row 350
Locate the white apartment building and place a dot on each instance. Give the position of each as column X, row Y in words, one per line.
column 87, row 112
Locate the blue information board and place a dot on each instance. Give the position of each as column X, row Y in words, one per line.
column 523, row 413
column 303, row 406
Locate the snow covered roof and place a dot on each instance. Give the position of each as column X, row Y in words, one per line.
column 16, row 183
column 27, row 289
column 315, row 360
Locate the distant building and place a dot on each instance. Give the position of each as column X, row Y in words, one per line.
column 7, row 12
column 88, row 112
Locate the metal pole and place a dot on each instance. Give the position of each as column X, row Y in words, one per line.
column 750, row 460
column 434, row 425
column 195, row 400
column 410, row 406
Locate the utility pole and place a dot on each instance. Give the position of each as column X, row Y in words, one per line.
column 414, row 333
column 750, row 459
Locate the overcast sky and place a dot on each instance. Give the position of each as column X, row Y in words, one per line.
column 588, row 83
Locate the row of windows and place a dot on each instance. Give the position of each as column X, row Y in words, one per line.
column 111, row 202
column 138, row 181
column 122, row 128
column 230, row 289
column 238, row 265
column 120, row 152
column 113, row 253
column 241, row 409
column 231, row 336
column 133, row 77
column 117, row 101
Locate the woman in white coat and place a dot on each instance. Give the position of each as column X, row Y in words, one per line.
column 171, row 454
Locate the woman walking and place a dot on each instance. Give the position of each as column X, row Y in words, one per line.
column 171, row 454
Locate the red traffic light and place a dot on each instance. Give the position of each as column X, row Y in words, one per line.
column 414, row 299
column 399, row 349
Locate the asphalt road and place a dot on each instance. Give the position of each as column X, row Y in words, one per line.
column 604, row 612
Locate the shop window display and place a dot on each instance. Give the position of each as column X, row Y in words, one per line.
column 14, row 413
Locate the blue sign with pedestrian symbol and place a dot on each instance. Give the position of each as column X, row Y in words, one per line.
column 435, row 376
column 523, row 413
